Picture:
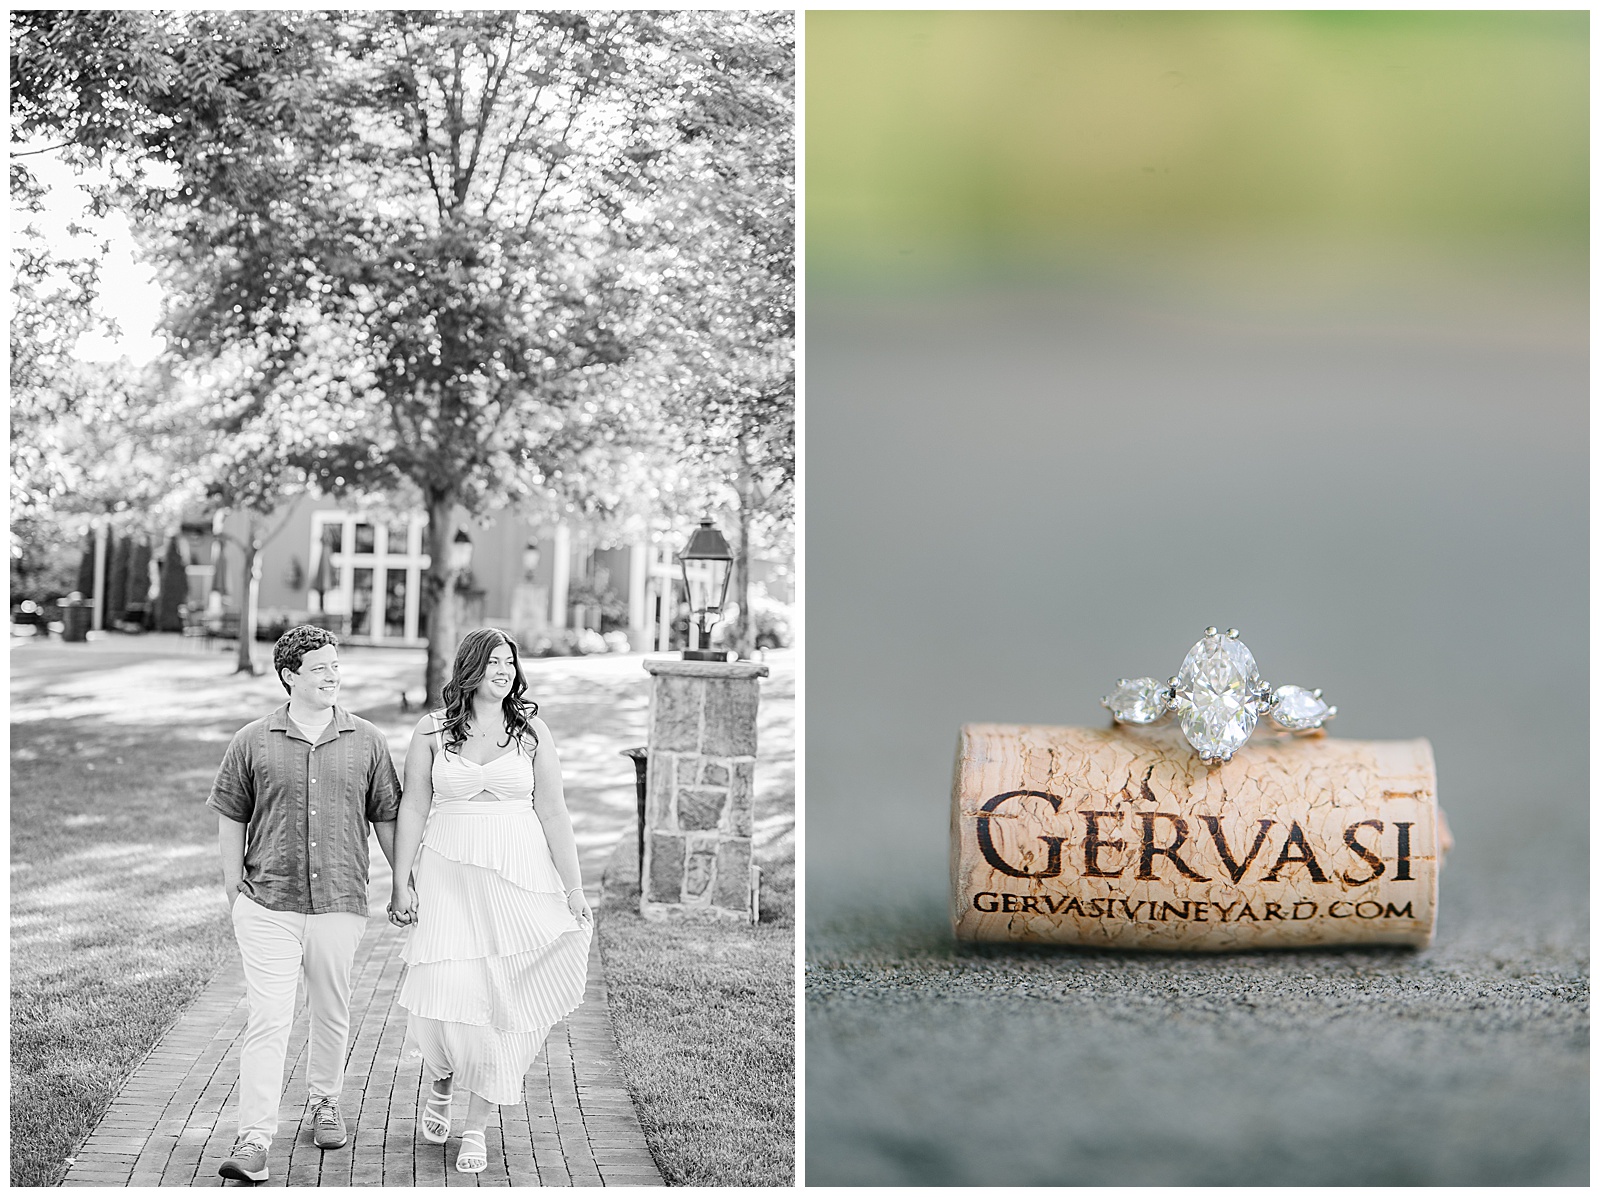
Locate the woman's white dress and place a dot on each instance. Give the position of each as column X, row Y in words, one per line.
column 495, row 959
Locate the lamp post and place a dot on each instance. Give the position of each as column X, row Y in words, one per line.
column 707, row 565
column 699, row 801
column 466, row 598
column 461, row 552
column 530, row 601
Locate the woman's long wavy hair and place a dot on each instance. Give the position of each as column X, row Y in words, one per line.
column 472, row 662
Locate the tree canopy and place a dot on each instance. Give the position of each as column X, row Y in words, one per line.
column 466, row 256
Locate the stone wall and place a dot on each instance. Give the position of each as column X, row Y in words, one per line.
column 700, row 788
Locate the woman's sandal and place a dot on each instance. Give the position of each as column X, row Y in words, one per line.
column 436, row 1116
column 469, row 1160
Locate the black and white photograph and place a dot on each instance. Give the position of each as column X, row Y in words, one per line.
column 405, row 606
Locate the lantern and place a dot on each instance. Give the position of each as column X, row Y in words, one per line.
column 707, row 565
column 461, row 552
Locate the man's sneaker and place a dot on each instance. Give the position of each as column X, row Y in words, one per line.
column 248, row 1161
column 329, row 1131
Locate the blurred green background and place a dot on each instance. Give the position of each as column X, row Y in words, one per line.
column 1313, row 158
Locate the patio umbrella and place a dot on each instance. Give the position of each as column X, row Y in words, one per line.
column 326, row 579
column 219, row 569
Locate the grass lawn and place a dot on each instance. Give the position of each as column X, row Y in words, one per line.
column 117, row 915
column 704, row 1012
column 704, row 1017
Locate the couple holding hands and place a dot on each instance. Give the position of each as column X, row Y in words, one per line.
column 485, row 873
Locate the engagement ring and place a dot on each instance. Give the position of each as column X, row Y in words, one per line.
column 1218, row 696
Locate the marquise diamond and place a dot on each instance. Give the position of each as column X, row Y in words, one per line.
column 1138, row 700
column 1217, row 694
column 1297, row 709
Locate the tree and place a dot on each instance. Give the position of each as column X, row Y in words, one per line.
column 74, row 76
column 248, row 478
column 424, row 240
column 81, row 79
column 174, row 589
column 86, row 449
column 52, row 296
column 120, row 454
column 704, row 416
column 118, row 551
column 732, row 398
column 86, row 566
column 139, row 579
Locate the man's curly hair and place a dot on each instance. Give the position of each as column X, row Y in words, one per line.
column 293, row 645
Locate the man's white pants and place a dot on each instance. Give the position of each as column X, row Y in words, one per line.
column 278, row 948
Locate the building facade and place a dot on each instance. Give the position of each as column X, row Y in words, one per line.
column 360, row 572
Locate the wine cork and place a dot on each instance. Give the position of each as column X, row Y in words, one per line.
column 1122, row 837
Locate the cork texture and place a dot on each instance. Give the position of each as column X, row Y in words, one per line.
column 1121, row 837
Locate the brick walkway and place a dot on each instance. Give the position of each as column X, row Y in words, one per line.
column 173, row 1120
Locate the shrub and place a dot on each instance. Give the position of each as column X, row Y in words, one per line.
column 774, row 621
column 574, row 642
column 174, row 589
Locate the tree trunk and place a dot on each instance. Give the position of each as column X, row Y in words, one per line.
column 97, row 593
column 251, row 548
column 743, row 636
column 438, row 587
column 174, row 589
column 117, row 581
column 139, row 592
column 86, row 566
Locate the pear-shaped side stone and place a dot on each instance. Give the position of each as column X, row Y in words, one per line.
column 1138, row 700
column 1297, row 709
column 1216, row 694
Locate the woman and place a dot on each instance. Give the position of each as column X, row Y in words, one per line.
column 501, row 945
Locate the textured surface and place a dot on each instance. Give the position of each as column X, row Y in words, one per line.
column 172, row 1121
column 699, row 799
column 1004, row 517
column 1120, row 837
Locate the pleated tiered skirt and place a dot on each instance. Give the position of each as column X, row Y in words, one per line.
column 496, row 959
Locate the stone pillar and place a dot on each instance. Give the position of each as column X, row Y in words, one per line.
column 700, row 795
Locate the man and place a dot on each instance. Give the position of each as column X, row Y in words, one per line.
column 294, row 796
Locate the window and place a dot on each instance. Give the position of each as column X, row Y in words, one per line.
column 394, row 604
column 361, row 602
column 369, row 575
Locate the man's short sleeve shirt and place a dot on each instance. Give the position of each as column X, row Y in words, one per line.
column 307, row 808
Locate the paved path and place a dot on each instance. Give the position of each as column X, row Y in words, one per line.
column 173, row 1120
